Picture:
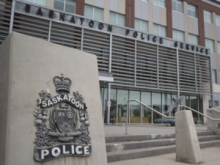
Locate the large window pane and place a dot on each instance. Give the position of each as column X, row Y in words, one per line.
column 178, row 35
column 113, row 107
column 98, row 14
column 219, row 48
column 166, row 101
column 117, row 19
column 88, row 11
column 141, row 25
column 209, row 44
column 191, row 10
column 156, row 103
column 160, row 30
column 70, row 6
column 207, row 16
column 146, row 112
column 160, row 3
column 122, row 105
column 135, row 108
column 217, row 20
column 193, row 39
column 59, row 4
column 177, row 5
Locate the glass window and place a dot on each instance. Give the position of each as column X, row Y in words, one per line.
column 160, row 3
column 65, row 5
column 135, row 108
column 177, row 5
column 160, row 30
column 166, row 100
column 178, row 35
column 117, row 19
column 39, row 2
column 193, row 39
column 214, row 76
column 207, row 16
column 217, row 20
column 156, row 102
column 218, row 44
column 141, row 25
column 146, row 112
column 122, row 105
column 93, row 12
column 191, row 10
column 209, row 44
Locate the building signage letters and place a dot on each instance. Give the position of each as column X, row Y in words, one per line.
column 64, row 17
column 62, row 123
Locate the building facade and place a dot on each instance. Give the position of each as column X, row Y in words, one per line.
column 148, row 50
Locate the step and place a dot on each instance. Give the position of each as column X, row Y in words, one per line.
column 112, row 139
column 153, row 151
column 120, row 146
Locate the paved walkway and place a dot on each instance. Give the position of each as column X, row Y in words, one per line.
column 211, row 156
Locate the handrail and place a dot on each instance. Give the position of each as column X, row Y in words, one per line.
column 199, row 113
column 128, row 107
column 214, row 109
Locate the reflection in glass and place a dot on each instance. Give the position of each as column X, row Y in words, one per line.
column 113, row 108
column 166, row 101
column 146, row 112
column 135, row 108
column 122, row 105
column 156, row 102
column 194, row 105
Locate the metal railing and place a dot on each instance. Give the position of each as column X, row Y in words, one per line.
column 171, row 117
column 128, row 107
column 200, row 112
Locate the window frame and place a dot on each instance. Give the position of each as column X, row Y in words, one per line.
column 217, row 20
column 206, row 14
column 176, row 6
column 35, row 2
column 164, row 3
column 64, row 6
column 179, row 32
column 93, row 12
column 160, row 26
column 210, row 41
column 193, row 35
column 141, row 22
column 117, row 17
column 189, row 8
column 218, row 45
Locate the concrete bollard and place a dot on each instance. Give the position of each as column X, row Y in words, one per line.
column 187, row 144
column 213, row 125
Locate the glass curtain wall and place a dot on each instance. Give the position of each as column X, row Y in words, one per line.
column 135, row 107
column 156, row 103
column 146, row 114
column 113, row 107
column 122, row 105
column 142, row 114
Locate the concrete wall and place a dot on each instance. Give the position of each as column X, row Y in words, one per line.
column 29, row 66
column 4, row 97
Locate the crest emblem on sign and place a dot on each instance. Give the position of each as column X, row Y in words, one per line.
column 62, row 123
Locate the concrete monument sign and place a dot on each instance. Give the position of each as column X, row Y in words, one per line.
column 47, row 117
column 187, row 144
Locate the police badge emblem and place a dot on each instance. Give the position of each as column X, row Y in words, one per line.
column 62, row 123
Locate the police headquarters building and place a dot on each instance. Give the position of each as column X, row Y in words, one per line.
column 148, row 50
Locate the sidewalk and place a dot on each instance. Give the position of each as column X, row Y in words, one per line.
column 211, row 156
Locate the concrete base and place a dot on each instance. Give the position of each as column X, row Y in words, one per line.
column 214, row 125
column 27, row 66
column 187, row 144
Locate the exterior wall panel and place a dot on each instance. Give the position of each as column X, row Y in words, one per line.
column 178, row 21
